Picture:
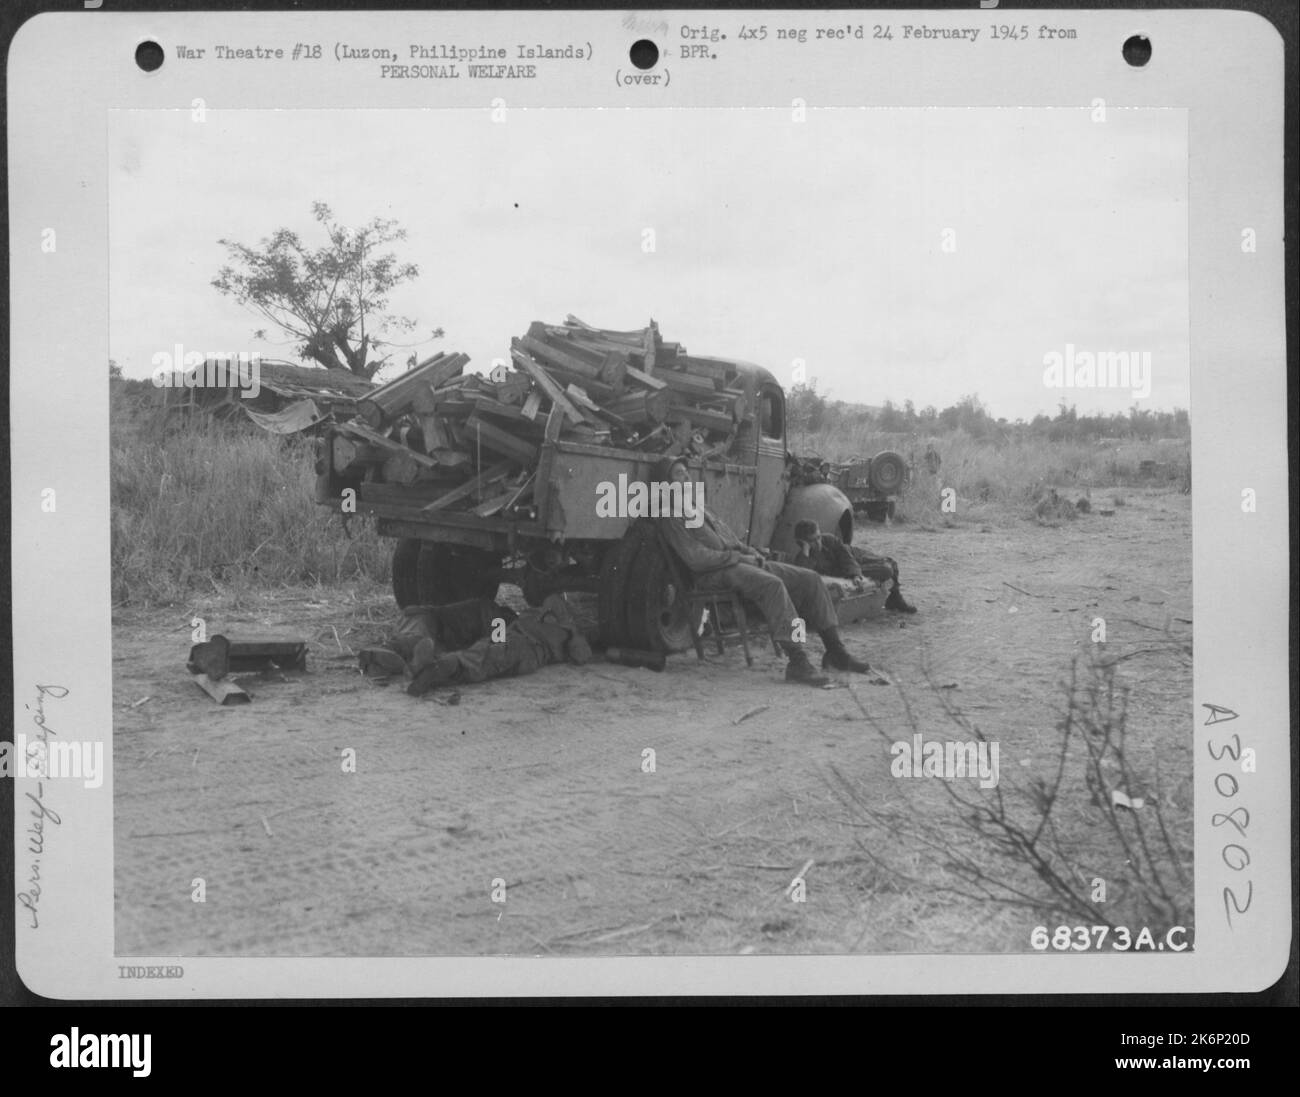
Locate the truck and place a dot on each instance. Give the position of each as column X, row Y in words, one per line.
column 559, row 541
column 873, row 485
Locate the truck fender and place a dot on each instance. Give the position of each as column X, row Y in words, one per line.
column 824, row 504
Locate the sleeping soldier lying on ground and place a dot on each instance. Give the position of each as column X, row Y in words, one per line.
column 445, row 645
column 826, row 554
column 718, row 560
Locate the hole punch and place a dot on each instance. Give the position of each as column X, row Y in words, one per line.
column 149, row 55
column 1137, row 50
column 644, row 54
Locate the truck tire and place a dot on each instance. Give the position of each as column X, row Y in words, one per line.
column 406, row 588
column 888, row 471
column 658, row 609
column 615, row 568
column 450, row 573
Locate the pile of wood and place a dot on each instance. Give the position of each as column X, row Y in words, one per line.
column 470, row 442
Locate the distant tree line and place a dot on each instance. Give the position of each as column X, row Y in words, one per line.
column 812, row 412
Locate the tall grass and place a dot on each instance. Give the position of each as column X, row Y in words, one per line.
column 1005, row 474
column 214, row 507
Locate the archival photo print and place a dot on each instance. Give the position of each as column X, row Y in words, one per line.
column 650, row 532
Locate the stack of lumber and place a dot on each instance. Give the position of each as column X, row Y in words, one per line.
column 462, row 441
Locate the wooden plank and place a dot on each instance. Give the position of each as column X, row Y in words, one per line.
column 424, row 401
column 576, row 343
column 554, row 423
column 386, row 444
column 634, row 339
column 641, row 407
column 482, row 480
column 598, row 390
column 584, row 402
column 688, row 384
column 545, row 382
column 613, row 370
column 645, row 380
column 347, row 453
column 485, row 405
column 392, row 399
column 700, row 417
column 500, row 441
column 400, row 469
column 581, row 400
column 700, row 367
column 531, row 405
column 224, row 692
column 513, row 389
column 435, row 434
column 450, row 458
column 454, row 405
column 556, row 356
column 648, row 355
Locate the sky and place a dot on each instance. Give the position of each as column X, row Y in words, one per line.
column 900, row 254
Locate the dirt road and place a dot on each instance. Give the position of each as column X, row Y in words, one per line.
column 540, row 782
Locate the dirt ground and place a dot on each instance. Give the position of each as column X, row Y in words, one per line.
column 539, row 782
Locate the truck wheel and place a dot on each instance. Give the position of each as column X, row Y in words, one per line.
column 888, row 471
column 406, row 589
column 658, row 609
column 450, row 573
column 615, row 567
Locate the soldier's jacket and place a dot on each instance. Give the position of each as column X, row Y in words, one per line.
column 828, row 556
column 831, row 556
column 711, row 546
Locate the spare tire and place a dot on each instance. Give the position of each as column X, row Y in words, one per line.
column 888, row 471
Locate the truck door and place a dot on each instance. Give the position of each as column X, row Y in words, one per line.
column 770, row 478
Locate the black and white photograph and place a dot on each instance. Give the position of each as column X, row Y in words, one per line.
column 709, row 492
column 636, row 532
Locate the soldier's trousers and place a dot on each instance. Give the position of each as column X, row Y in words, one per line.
column 782, row 593
column 879, row 568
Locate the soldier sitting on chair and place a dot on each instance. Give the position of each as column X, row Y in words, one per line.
column 826, row 554
column 718, row 560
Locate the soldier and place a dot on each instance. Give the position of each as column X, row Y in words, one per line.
column 718, row 560
column 531, row 640
column 826, row 554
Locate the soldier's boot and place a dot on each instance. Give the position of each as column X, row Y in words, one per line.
column 433, row 674
column 897, row 602
column 837, row 656
column 800, row 669
column 376, row 662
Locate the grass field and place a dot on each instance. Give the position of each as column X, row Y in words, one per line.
column 1001, row 480
column 221, row 508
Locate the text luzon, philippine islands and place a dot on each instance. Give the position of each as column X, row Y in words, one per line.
column 430, row 61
